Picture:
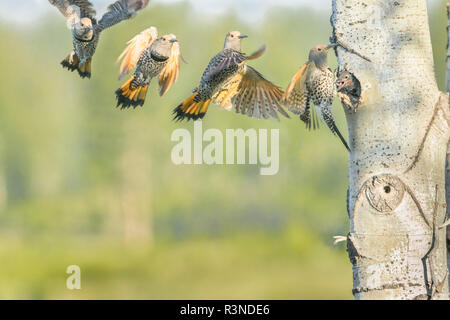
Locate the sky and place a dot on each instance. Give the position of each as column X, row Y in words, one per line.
column 23, row 12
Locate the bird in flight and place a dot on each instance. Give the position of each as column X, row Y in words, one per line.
column 314, row 83
column 152, row 57
column 86, row 29
column 230, row 82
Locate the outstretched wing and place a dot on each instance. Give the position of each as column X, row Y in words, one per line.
column 119, row 11
column 135, row 47
column 225, row 59
column 258, row 53
column 251, row 94
column 69, row 7
column 169, row 75
column 296, row 97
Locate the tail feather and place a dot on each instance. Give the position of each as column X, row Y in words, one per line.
column 72, row 63
column 84, row 70
column 191, row 109
column 335, row 130
column 131, row 96
column 342, row 139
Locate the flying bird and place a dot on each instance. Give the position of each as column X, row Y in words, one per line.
column 152, row 57
column 230, row 82
column 314, row 83
column 86, row 29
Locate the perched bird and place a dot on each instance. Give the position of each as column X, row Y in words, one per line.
column 86, row 30
column 152, row 57
column 314, row 83
column 230, row 82
column 349, row 89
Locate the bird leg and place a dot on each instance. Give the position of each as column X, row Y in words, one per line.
column 72, row 54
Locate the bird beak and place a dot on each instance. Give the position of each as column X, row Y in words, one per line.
column 173, row 40
column 242, row 36
column 331, row 45
column 342, row 84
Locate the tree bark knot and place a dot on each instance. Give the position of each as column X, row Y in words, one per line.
column 384, row 192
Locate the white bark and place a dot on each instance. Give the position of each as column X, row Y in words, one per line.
column 398, row 137
column 447, row 174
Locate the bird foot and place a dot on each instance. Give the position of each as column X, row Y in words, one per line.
column 72, row 54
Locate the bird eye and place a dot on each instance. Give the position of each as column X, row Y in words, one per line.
column 319, row 49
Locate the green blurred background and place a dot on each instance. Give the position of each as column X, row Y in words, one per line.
column 84, row 183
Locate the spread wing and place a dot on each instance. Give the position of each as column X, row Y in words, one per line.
column 169, row 75
column 119, row 11
column 135, row 47
column 71, row 8
column 225, row 59
column 228, row 58
column 296, row 97
column 251, row 94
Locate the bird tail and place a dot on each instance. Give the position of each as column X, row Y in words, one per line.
column 84, row 70
column 72, row 63
column 335, row 130
column 130, row 94
column 191, row 109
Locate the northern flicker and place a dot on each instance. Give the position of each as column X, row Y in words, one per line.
column 349, row 89
column 229, row 82
column 314, row 83
column 152, row 57
column 86, row 30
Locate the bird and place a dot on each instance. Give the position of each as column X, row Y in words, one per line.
column 86, row 30
column 314, row 83
column 349, row 89
column 230, row 82
column 152, row 57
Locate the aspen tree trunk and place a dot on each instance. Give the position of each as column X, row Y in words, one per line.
column 398, row 137
column 447, row 175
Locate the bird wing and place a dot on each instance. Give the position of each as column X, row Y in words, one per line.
column 228, row 58
column 296, row 97
column 225, row 59
column 119, row 11
column 169, row 74
column 251, row 94
column 135, row 47
column 74, row 8
column 258, row 53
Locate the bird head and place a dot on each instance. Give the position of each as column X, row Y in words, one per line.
column 233, row 40
column 318, row 54
column 163, row 45
column 84, row 30
column 344, row 81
